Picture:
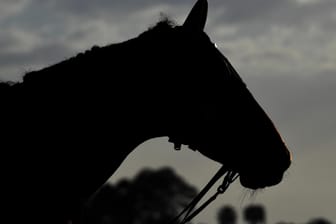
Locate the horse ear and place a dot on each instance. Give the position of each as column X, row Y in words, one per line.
column 197, row 17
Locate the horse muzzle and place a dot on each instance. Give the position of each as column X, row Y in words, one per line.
column 270, row 174
column 259, row 181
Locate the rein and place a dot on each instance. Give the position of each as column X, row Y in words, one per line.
column 190, row 211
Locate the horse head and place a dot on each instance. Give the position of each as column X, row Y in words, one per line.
column 218, row 116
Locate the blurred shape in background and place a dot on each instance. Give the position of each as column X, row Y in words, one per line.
column 255, row 214
column 319, row 221
column 227, row 215
column 153, row 196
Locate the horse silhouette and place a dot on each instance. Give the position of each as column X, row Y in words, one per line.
column 66, row 128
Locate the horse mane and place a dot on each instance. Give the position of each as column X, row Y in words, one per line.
column 93, row 54
column 163, row 25
column 5, row 87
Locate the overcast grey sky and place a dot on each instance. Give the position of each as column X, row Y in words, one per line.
column 285, row 50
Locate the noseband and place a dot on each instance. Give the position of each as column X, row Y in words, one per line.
column 189, row 211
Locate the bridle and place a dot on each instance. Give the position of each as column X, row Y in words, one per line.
column 189, row 211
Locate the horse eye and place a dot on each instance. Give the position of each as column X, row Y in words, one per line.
column 215, row 45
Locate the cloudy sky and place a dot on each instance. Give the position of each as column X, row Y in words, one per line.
column 285, row 51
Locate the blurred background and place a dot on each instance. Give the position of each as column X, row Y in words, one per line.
column 158, row 196
column 284, row 50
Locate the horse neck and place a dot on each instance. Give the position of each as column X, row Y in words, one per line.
column 136, row 114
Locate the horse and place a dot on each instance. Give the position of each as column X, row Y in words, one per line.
column 66, row 128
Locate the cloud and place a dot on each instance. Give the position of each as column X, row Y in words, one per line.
column 247, row 11
column 260, row 37
column 268, row 13
column 287, row 37
column 10, row 8
column 66, row 28
column 15, row 64
column 87, row 8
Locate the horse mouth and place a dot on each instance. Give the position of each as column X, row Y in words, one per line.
column 258, row 181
